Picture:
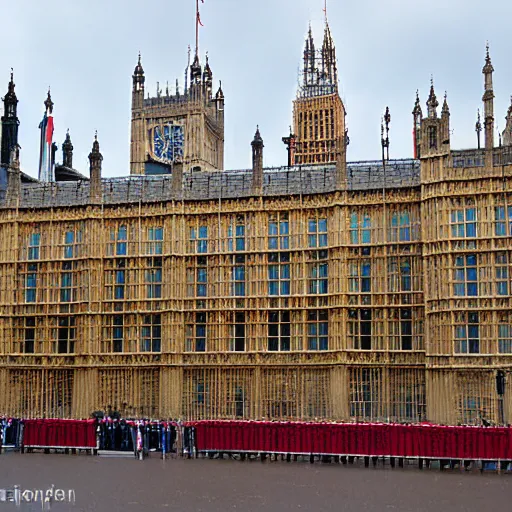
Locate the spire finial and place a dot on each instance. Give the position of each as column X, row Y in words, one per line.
column 95, row 135
column 48, row 102
column 325, row 11
column 12, row 74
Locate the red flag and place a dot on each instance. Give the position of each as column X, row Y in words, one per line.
column 199, row 19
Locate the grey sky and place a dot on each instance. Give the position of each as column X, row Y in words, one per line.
column 87, row 50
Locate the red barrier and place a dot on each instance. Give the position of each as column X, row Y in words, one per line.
column 367, row 439
column 60, row 433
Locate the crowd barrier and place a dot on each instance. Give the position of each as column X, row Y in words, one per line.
column 424, row 441
column 54, row 433
column 355, row 439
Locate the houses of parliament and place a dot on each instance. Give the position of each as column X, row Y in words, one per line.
column 322, row 290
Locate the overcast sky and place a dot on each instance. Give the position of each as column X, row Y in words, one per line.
column 87, row 50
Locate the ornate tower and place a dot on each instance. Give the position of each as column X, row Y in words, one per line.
column 188, row 126
column 95, row 159
column 488, row 99
column 10, row 123
column 318, row 112
column 434, row 139
column 67, row 152
column 257, row 162
column 137, row 146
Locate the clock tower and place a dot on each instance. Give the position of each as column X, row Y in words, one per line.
column 188, row 125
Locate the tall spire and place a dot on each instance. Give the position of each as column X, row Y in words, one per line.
column 488, row 99
column 478, row 129
column 10, row 123
column 507, row 133
column 445, row 111
column 432, row 102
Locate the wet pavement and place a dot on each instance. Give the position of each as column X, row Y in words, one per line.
column 115, row 484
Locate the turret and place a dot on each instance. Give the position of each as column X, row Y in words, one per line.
column 507, row 132
column 13, row 179
column 445, row 121
column 95, row 160
column 219, row 102
column 417, row 115
column 208, row 79
column 329, row 70
column 138, row 86
column 67, row 152
column 435, row 131
column 488, row 99
column 432, row 102
column 257, row 162
column 10, row 124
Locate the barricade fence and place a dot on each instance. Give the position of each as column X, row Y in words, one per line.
column 426, row 441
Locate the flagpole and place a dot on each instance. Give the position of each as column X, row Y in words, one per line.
column 197, row 27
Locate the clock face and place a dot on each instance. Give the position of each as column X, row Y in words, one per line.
column 168, row 142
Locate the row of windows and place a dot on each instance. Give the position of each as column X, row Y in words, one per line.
column 463, row 224
column 466, row 275
column 278, row 236
column 362, row 332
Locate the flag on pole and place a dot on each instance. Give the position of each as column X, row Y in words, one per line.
column 45, row 158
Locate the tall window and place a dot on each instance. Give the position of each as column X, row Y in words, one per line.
column 239, row 280
column 279, row 276
column 67, row 335
column 66, row 284
column 199, row 239
column 236, row 237
column 467, row 333
column 278, row 233
column 72, row 243
column 31, row 276
column 30, row 335
column 432, row 137
column 238, row 332
column 399, row 274
column 400, row 329
column 120, row 280
column 155, row 240
column 505, row 338
column 503, row 220
column 202, row 281
column 33, row 246
column 151, row 339
column 360, row 276
column 196, row 333
column 365, row 392
column 400, row 227
column 154, row 278
column 121, row 238
column 502, row 273
column 466, row 276
column 117, row 333
column 360, row 329
column 463, row 223
column 317, row 233
column 360, row 228
column 278, row 330
column 31, row 284
column 318, row 329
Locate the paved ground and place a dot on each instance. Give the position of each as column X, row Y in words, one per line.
column 102, row 484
